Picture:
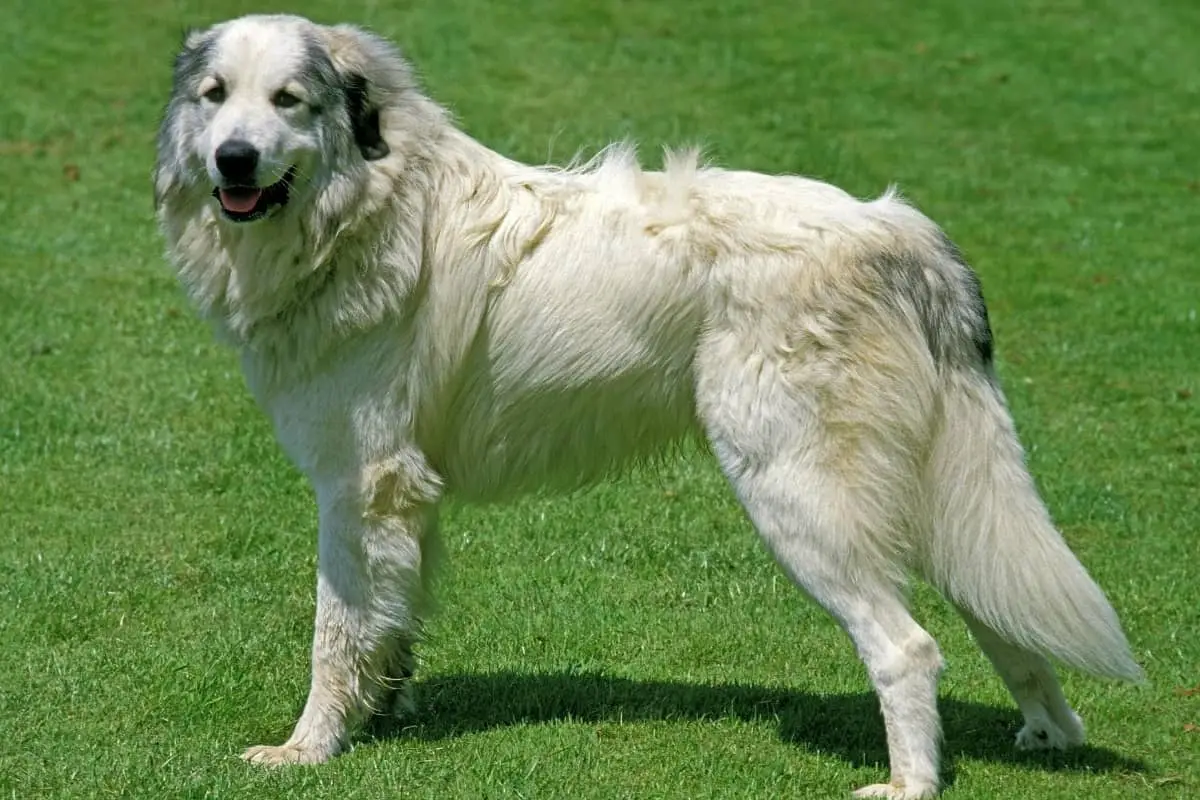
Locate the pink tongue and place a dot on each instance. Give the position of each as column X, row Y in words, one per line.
column 240, row 200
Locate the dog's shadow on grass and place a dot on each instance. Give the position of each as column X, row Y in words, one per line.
column 845, row 725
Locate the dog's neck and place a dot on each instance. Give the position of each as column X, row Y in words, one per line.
column 353, row 257
column 348, row 257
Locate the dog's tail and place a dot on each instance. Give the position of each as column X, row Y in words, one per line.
column 993, row 549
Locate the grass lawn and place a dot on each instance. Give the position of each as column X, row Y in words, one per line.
column 157, row 552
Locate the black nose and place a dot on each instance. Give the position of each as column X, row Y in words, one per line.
column 237, row 159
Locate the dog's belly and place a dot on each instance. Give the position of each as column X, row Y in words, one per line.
column 558, row 395
column 563, row 436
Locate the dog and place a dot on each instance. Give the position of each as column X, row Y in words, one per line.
column 419, row 315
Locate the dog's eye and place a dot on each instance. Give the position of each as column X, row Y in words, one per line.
column 215, row 95
column 285, row 99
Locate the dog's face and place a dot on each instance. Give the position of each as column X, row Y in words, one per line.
column 261, row 113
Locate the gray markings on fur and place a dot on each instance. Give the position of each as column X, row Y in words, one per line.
column 364, row 119
column 348, row 89
column 192, row 61
column 982, row 337
column 945, row 296
column 320, row 76
column 191, row 64
column 907, row 286
column 981, row 331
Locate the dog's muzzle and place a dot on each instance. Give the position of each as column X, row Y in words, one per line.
column 240, row 196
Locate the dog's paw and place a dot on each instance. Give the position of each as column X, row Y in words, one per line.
column 394, row 715
column 1042, row 736
column 276, row 756
column 894, row 791
column 1041, row 733
column 402, row 704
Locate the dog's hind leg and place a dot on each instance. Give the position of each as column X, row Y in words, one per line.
column 371, row 587
column 1050, row 723
column 827, row 474
column 817, row 525
column 995, row 553
column 813, row 524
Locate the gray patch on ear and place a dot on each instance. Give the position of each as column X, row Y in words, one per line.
column 364, row 118
column 351, row 88
column 320, row 75
column 192, row 60
column 191, row 65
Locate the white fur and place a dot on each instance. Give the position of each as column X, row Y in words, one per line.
column 443, row 319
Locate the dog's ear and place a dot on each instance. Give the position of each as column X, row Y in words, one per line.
column 364, row 117
column 195, row 48
column 192, row 38
column 374, row 76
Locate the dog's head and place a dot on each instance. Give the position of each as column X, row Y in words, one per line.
column 268, row 111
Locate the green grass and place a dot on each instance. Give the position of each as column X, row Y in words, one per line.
column 157, row 551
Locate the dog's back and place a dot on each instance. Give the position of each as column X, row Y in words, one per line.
column 616, row 282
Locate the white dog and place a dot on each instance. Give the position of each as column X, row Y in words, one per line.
column 419, row 315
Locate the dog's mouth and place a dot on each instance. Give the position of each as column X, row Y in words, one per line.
column 248, row 203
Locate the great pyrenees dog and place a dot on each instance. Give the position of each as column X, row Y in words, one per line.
column 419, row 315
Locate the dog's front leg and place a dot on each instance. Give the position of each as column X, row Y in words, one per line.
column 371, row 584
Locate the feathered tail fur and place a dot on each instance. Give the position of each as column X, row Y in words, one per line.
column 994, row 550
